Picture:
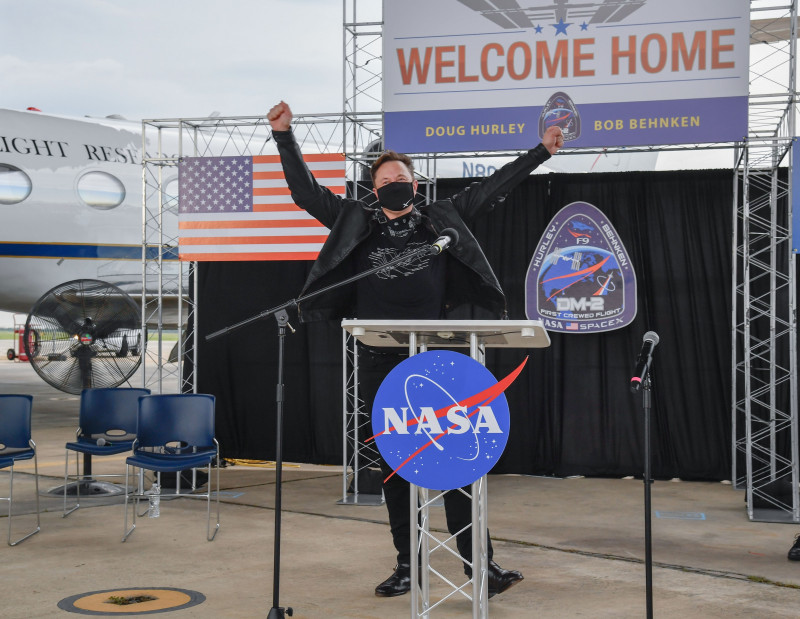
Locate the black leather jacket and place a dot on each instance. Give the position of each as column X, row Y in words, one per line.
column 470, row 278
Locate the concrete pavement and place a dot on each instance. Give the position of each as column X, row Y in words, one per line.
column 579, row 542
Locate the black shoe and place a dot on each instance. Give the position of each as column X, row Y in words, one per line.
column 794, row 551
column 499, row 579
column 397, row 584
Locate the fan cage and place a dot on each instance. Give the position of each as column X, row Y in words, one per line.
column 85, row 334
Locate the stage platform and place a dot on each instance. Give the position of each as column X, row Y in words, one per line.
column 579, row 543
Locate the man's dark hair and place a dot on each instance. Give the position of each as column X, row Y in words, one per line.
column 390, row 155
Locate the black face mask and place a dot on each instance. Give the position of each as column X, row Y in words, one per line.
column 396, row 196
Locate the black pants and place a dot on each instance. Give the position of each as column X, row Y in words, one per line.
column 373, row 366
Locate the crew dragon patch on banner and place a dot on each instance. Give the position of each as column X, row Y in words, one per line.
column 580, row 279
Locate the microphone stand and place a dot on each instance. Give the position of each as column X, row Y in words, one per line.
column 648, row 546
column 282, row 318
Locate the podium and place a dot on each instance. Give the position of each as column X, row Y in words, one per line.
column 419, row 336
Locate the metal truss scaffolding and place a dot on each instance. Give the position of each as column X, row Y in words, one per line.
column 764, row 328
column 164, row 301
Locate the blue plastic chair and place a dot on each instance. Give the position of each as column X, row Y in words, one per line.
column 15, row 445
column 106, row 427
column 175, row 432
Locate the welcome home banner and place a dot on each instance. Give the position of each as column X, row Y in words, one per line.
column 465, row 75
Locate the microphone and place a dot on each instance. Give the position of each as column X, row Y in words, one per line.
column 649, row 342
column 447, row 238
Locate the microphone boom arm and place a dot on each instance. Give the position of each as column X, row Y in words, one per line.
column 420, row 252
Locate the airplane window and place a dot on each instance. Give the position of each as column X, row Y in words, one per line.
column 15, row 185
column 101, row 190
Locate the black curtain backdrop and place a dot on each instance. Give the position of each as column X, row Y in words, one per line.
column 572, row 411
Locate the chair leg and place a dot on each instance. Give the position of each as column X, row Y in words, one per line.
column 141, row 493
column 66, row 511
column 36, row 483
column 127, row 531
column 11, row 502
column 211, row 532
column 209, row 535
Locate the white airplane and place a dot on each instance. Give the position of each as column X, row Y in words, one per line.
column 71, row 204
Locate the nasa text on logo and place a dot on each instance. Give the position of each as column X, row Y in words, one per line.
column 580, row 278
column 440, row 419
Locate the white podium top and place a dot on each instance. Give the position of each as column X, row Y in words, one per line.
column 449, row 333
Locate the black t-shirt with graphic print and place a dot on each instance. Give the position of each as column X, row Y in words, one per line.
column 411, row 291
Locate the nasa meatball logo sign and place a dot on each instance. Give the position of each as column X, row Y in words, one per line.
column 441, row 420
column 580, row 278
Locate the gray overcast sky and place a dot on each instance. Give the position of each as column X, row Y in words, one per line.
column 171, row 58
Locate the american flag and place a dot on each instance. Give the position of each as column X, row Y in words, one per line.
column 572, row 326
column 240, row 208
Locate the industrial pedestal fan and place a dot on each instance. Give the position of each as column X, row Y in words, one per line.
column 84, row 333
